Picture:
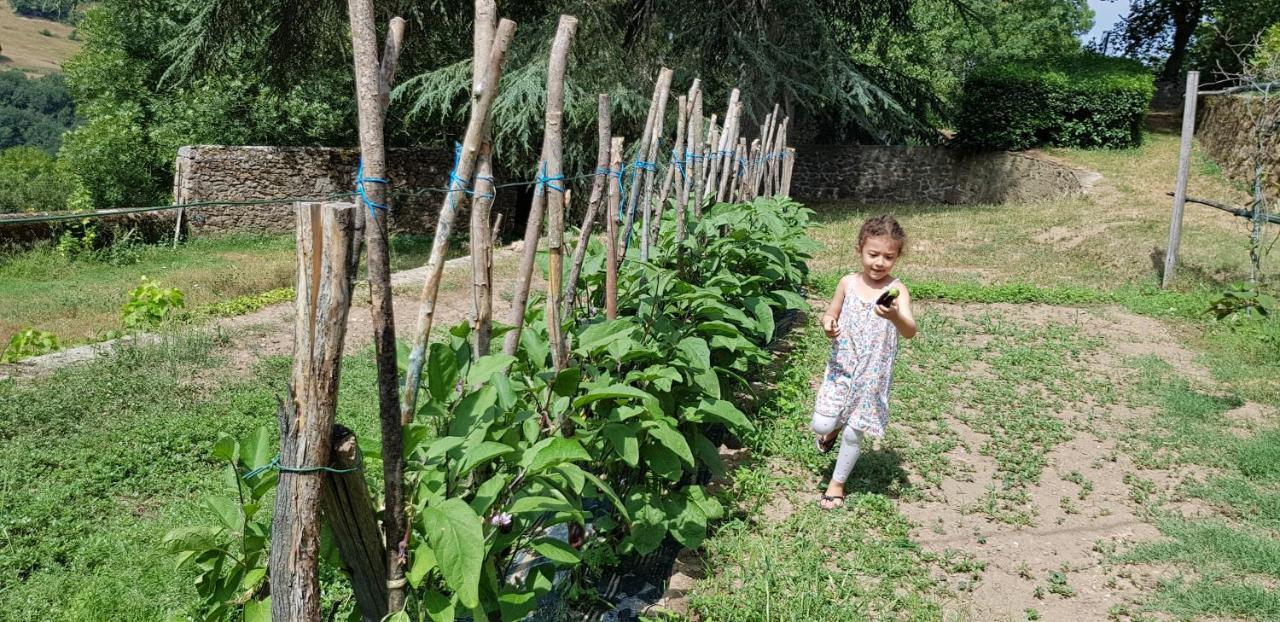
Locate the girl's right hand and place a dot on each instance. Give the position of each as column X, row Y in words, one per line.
column 830, row 326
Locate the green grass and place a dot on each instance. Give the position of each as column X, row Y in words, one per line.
column 79, row 300
column 103, row 459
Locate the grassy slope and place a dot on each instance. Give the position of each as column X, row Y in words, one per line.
column 79, row 300
column 26, row 49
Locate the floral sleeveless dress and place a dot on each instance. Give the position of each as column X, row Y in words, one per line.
column 855, row 389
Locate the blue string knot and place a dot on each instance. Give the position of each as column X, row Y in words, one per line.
column 545, row 182
column 361, row 180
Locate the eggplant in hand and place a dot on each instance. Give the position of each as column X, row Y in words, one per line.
column 886, row 299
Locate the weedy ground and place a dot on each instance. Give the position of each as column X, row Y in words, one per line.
column 1068, row 443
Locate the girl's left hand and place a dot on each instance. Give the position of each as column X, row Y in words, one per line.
column 891, row 312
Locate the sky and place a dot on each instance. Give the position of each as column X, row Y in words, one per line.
column 1105, row 15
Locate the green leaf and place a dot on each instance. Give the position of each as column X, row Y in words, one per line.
column 517, row 605
column 413, row 435
column 764, row 318
column 454, row 531
column 484, row 369
column 709, row 454
column 573, row 475
column 624, row 441
column 439, row 607
column 535, row 347
column 226, row 448
column 672, row 439
column 192, row 539
column 488, row 492
column 792, row 300
column 607, row 491
column 599, row 336
column 689, row 526
column 618, row 392
column 538, row 503
column 255, row 449
column 482, row 453
column 442, row 446
column 424, row 561
column 552, row 451
column 566, row 382
column 442, row 371
column 663, row 461
column 227, row 510
column 724, row 412
column 695, row 353
column 258, row 610
column 557, row 551
column 472, row 409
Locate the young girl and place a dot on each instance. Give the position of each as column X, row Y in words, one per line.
column 855, row 389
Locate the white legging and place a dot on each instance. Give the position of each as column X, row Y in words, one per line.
column 850, row 444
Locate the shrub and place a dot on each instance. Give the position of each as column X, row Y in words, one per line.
column 60, row 10
column 149, row 305
column 27, row 343
column 1083, row 101
column 32, row 181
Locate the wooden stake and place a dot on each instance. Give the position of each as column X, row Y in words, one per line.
column 729, row 142
column 710, row 163
column 546, row 193
column 604, row 131
column 693, row 166
column 633, row 201
column 481, row 104
column 1180, row 191
column 372, row 79
column 352, row 518
column 611, row 259
column 324, row 247
column 486, row 26
column 659, row 120
column 678, row 165
column 788, row 165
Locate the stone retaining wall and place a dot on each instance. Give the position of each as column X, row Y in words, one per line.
column 1224, row 129
column 914, row 175
column 236, row 173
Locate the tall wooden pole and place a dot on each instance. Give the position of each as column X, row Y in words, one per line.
column 553, row 186
column 372, row 81
column 729, row 142
column 711, row 163
column 324, row 247
column 486, row 25
column 604, row 132
column 1184, row 165
column 481, row 104
column 611, row 259
column 677, row 172
column 693, row 162
column 348, row 510
column 633, row 200
column 548, row 191
column 788, row 165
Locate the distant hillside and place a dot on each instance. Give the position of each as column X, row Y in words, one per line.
column 22, row 46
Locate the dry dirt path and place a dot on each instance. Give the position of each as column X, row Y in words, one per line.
column 269, row 331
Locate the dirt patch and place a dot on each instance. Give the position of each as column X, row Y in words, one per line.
column 269, row 331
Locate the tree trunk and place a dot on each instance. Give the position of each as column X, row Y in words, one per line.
column 324, row 247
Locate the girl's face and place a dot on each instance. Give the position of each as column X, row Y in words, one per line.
column 879, row 254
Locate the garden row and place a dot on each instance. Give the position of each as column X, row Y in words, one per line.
column 613, row 447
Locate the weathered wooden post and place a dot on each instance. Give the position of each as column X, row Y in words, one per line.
column 481, row 103
column 347, row 507
column 655, row 136
column 788, row 165
column 373, row 80
column 1184, row 165
column 486, row 26
column 679, row 164
column 605, row 131
column 548, row 189
column 325, row 235
column 693, row 161
column 552, row 185
column 615, row 200
column 633, row 201
column 729, row 142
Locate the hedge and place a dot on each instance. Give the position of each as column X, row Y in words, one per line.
column 1085, row 101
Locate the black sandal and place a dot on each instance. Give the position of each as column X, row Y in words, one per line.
column 824, row 446
column 833, row 499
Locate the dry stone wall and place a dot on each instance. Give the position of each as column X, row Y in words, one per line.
column 1225, row 131
column 923, row 175
column 205, row 173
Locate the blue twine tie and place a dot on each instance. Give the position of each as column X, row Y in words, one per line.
column 453, row 175
column 546, row 182
column 361, row 180
column 677, row 162
column 275, row 465
column 646, row 166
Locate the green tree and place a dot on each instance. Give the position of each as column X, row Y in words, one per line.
column 32, row 181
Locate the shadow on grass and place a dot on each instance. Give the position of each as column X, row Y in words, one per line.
column 877, row 472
